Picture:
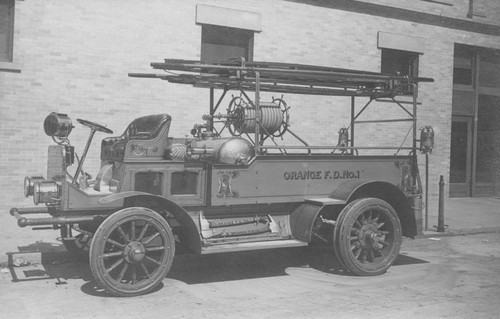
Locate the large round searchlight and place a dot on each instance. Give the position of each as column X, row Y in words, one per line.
column 57, row 125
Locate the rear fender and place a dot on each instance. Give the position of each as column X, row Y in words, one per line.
column 304, row 216
column 190, row 233
column 352, row 190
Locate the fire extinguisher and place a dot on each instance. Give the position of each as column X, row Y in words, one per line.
column 343, row 137
column 426, row 139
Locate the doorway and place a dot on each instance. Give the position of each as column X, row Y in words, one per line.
column 461, row 156
column 475, row 127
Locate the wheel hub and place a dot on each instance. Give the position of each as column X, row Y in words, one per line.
column 134, row 252
column 368, row 236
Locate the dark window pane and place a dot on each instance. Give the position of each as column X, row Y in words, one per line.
column 488, row 139
column 399, row 62
column 489, row 74
column 463, row 102
column 223, row 43
column 184, row 183
column 149, row 182
column 463, row 56
column 462, row 76
column 463, row 51
column 6, row 29
column 490, row 55
column 458, row 163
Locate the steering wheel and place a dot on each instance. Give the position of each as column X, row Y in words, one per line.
column 94, row 126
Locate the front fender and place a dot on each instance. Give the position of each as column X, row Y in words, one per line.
column 119, row 198
column 190, row 234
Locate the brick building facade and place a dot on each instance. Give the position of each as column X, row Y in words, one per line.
column 73, row 57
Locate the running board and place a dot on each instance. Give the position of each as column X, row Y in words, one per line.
column 225, row 248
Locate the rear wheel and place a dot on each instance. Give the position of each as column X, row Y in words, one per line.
column 367, row 236
column 132, row 252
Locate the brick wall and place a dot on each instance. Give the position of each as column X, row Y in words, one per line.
column 483, row 11
column 74, row 58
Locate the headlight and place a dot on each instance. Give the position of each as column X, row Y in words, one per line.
column 29, row 184
column 46, row 191
column 57, row 125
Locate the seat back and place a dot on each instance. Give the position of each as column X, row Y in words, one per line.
column 145, row 130
column 146, row 127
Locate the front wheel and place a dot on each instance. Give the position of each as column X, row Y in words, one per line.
column 367, row 236
column 132, row 252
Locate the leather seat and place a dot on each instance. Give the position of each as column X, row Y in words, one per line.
column 142, row 128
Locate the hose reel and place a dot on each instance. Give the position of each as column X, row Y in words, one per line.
column 241, row 117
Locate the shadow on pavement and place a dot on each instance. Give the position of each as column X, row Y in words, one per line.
column 91, row 288
column 404, row 259
column 197, row 269
column 41, row 261
column 56, row 263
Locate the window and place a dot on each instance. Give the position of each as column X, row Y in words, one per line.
column 462, row 64
column 219, row 43
column 184, row 183
column 462, row 76
column 149, row 182
column 226, row 33
column 6, row 29
column 401, row 63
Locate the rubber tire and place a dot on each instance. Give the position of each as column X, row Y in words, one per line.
column 98, row 245
column 342, row 233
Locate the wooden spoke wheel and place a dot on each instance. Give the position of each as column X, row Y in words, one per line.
column 367, row 236
column 236, row 113
column 132, row 252
column 285, row 115
column 80, row 245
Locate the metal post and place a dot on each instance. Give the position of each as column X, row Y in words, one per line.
column 352, row 123
column 414, row 143
column 440, row 227
column 426, row 191
column 257, row 113
column 470, row 13
column 82, row 159
column 212, row 111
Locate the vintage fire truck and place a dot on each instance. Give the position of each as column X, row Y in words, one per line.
column 233, row 186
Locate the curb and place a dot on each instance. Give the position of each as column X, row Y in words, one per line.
column 460, row 232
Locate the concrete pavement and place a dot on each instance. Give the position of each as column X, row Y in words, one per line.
column 464, row 216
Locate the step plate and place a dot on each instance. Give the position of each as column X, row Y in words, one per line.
column 224, row 248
